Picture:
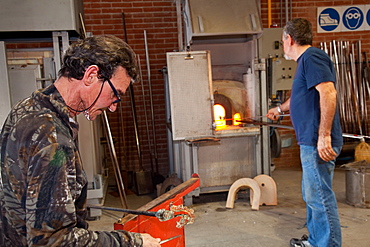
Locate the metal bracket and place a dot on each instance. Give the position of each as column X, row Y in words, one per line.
column 58, row 52
column 260, row 66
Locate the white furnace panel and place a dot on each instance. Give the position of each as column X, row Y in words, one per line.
column 40, row 15
column 23, row 80
column 191, row 100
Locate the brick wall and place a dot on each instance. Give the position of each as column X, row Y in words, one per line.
column 158, row 19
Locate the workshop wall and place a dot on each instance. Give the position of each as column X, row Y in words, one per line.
column 158, row 18
column 308, row 9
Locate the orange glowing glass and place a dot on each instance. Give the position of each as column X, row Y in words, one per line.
column 219, row 114
column 236, row 118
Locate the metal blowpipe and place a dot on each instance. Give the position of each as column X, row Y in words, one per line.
column 186, row 216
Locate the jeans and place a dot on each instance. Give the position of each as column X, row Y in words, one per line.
column 321, row 204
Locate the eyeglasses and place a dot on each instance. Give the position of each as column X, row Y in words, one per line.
column 115, row 93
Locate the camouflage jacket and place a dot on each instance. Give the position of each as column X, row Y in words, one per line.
column 43, row 187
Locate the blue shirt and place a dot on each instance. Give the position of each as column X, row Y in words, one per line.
column 314, row 66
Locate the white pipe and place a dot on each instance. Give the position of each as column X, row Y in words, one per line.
column 281, row 13
column 179, row 25
column 286, row 11
column 200, row 23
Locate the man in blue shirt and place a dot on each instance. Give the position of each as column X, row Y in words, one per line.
column 315, row 118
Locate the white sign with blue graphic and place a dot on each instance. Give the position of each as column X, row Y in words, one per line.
column 367, row 26
column 329, row 19
column 343, row 18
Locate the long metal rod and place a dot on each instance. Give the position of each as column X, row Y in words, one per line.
column 129, row 211
column 362, row 98
column 169, row 239
column 366, row 87
column 355, row 136
column 355, row 93
column 117, row 170
column 151, row 101
column 145, row 114
column 133, row 106
column 267, row 124
column 83, row 26
column 122, row 149
column 134, row 116
column 266, row 163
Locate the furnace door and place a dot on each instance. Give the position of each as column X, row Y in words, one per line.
column 191, row 100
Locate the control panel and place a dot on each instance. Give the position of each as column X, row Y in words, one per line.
column 282, row 69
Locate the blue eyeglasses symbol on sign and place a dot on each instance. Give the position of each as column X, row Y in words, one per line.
column 353, row 18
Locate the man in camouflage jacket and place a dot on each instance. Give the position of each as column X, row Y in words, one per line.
column 43, row 187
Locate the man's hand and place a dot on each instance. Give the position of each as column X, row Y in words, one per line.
column 328, row 99
column 273, row 114
column 149, row 241
column 325, row 149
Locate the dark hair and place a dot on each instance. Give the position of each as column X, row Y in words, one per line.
column 300, row 30
column 107, row 52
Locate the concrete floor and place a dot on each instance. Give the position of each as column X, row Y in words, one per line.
column 271, row 226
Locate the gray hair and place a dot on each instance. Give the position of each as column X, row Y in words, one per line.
column 300, row 30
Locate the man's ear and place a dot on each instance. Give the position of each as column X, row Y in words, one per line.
column 291, row 41
column 91, row 75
